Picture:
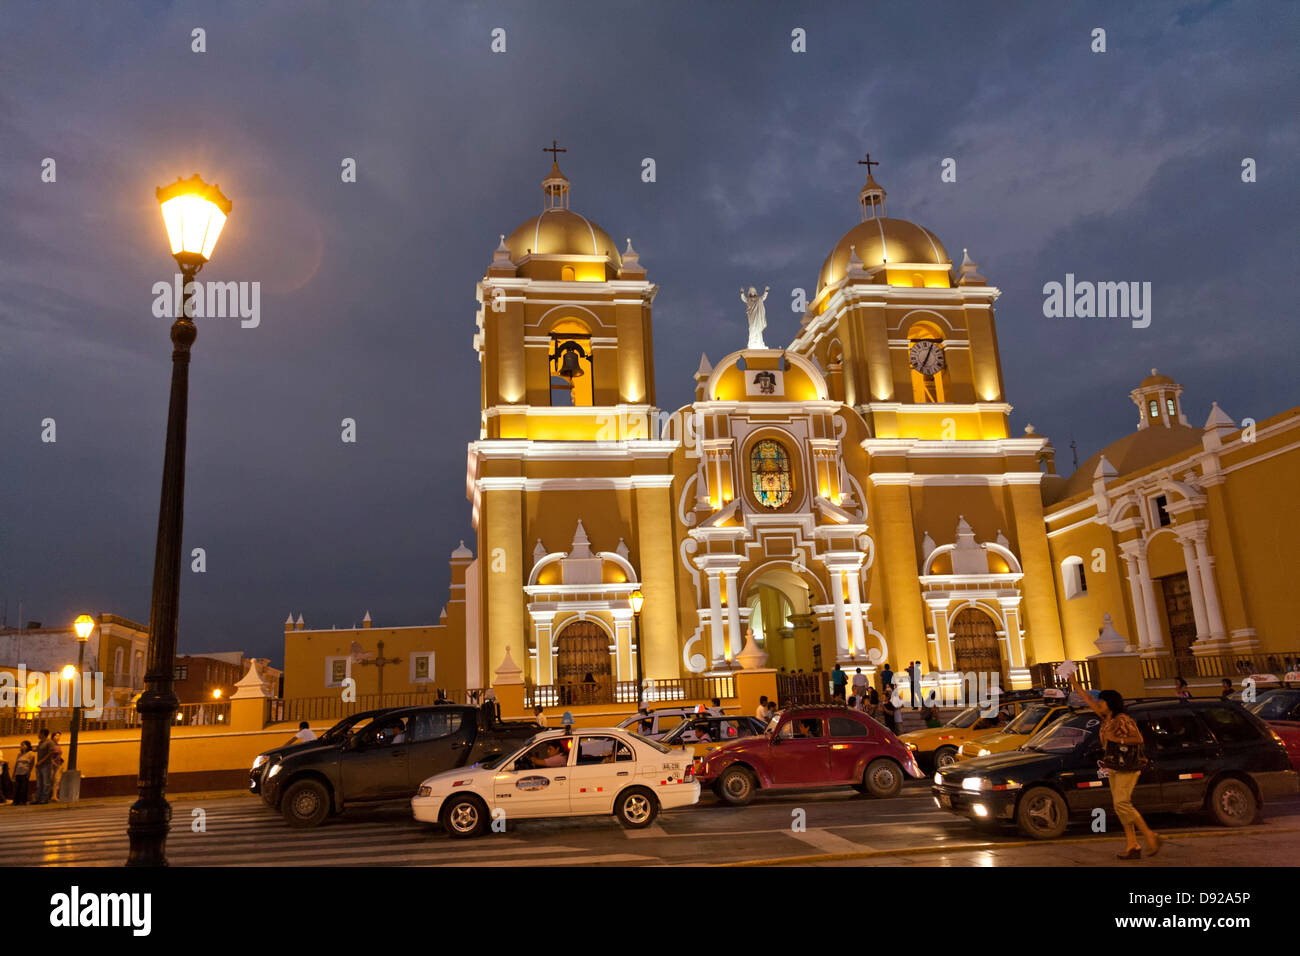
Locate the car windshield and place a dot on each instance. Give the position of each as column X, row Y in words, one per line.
column 1065, row 736
column 965, row 718
column 1274, row 705
column 345, row 725
column 491, row 763
column 1028, row 719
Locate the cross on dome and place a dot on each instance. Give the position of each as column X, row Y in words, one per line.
column 872, row 196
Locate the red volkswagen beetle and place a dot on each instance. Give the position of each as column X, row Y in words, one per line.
column 809, row 747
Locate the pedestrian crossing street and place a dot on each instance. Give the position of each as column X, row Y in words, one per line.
column 243, row 832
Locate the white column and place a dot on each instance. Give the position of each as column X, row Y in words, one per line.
column 1213, row 614
column 841, row 625
column 715, row 616
column 542, row 638
column 1155, row 640
column 1194, row 585
column 1139, row 606
column 733, row 615
column 858, row 648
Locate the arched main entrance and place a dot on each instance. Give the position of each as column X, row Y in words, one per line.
column 975, row 645
column 584, row 671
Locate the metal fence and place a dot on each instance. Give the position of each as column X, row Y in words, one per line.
column 811, row 688
column 656, row 692
column 334, row 707
column 15, row 723
column 1217, row 666
column 1044, row 675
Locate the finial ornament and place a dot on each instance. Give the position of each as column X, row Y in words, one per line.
column 555, row 149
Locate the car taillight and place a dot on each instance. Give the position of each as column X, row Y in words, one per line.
column 689, row 775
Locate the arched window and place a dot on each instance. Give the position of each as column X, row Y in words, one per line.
column 770, row 477
column 570, row 364
column 567, row 274
column 1155, row 408
column 1072, row 577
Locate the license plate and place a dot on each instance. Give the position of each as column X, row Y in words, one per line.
column 945, row 801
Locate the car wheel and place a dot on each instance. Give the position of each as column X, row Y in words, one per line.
column 736, row 786
column 883, row 778
column 305, row 804
column 945, row 757
column 1232, row 802
column 464, row 816
column 1042, row 814
column 636, row 808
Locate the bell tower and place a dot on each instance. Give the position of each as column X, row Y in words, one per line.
column 564, row 323
column 569, row 438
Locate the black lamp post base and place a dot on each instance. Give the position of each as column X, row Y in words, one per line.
column 147, row 829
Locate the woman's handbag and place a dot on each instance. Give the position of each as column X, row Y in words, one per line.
column 1124, row 758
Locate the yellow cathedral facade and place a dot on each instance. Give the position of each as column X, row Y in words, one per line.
column 852, row 497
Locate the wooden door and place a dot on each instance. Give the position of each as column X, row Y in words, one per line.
column 975, row 643
column 1182, row 621
column 584, row 666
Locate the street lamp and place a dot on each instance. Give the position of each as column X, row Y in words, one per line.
column 636, row 600
column 70, row 782
column 194, row 214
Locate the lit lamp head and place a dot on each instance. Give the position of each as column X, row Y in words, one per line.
column 194, row 214
column 83, row 626
column 68, row 672
column 636, row 600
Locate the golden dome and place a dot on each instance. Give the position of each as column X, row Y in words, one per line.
column 558, row 232
column 880, row 240
column 1155, row 378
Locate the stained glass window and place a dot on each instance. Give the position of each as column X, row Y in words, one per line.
column 769, row 470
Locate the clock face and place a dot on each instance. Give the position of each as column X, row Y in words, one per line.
column 926, row 357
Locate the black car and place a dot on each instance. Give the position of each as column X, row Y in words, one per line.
column 336, row 733
column 386, row 757
column 1205, row 755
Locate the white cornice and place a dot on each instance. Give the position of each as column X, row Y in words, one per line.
column 514, row 483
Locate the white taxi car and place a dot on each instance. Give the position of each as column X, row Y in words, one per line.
column 561, row 773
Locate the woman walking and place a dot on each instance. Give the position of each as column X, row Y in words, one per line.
column 1123, row 762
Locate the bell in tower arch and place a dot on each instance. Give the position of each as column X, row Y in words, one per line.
column 568, row 355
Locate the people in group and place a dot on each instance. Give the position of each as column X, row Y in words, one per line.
column 1119, row 729
column 715, row 707
column 771, row 710
column 44, row 767
column 23, row 765
column 761, row 711
column 58, row 764
column 491, row 708
column 838, row 681
column 304, row 735
column 890, row 710
column 539, row 718
column 887, row 679
column 1225, row 692
column 1182, row 691
column 701, row 732
column 930, row 711
column 859, row 683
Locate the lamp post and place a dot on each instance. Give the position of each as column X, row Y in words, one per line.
column 70, row 782
column 194, row 214
column 636, row 600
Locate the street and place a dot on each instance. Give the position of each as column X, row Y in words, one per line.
column 840, row 829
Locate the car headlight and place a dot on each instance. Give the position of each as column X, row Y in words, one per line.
column 938, row 779
column 426, row 791
column 984, row 783
column 275, row 768
column 911, row 746
column 983, row 753
column 259, row 760
column 973, row 783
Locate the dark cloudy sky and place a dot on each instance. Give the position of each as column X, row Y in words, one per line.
column 1116, row 166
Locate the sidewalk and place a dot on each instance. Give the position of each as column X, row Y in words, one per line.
column 8, row 809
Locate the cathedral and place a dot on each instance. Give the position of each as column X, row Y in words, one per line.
column 852, row 497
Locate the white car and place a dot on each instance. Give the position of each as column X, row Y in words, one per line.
column 658, row 723
column 562, row 774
